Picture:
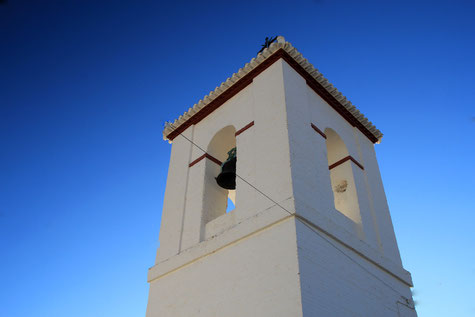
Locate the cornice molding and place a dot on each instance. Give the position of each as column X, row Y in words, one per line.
column 238, row 81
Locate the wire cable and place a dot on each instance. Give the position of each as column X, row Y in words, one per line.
column 307, row 225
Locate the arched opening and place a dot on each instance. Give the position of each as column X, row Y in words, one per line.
column 342, row 179
column 217, row 200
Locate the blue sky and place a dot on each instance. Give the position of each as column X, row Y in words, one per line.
column 85, row 87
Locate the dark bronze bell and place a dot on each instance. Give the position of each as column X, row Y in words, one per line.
column 227, row 178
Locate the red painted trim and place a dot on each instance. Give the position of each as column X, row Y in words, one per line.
column 244, row 129
column 325, row 95
column 211, row 158
column 197, row 160
column 343, row 160
column 318, row 131
column 228, row 94
column 247, row 79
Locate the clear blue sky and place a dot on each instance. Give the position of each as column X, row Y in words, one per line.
column 85, row 87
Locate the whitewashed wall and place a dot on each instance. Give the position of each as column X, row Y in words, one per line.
column 257, row 276
column 333, row 285
column 255, row 260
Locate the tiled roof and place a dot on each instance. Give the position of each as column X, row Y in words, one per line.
column 345, row 107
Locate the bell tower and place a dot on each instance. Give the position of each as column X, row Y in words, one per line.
column 310, row 234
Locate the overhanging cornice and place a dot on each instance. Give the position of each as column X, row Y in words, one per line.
column 238, row 81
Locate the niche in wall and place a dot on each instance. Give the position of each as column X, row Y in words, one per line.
column 342, row 179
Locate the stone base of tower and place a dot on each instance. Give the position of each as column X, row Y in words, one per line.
column 284, row 269
column 255, row 276
column 337, row 281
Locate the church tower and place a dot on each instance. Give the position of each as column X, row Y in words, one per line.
column 310, row 234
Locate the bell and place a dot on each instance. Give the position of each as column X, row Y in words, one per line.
column 227, row 178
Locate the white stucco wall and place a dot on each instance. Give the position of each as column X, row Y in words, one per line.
column 262, row 150
column 255, row 276
column 255, row 260
column 334, row 284
column 175, row 196
column 311, row 178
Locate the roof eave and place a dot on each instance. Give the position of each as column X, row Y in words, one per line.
column 244, row 76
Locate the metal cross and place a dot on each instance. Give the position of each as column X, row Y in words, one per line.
column 267, row 43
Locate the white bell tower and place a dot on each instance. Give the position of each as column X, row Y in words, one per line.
column 310, row 235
